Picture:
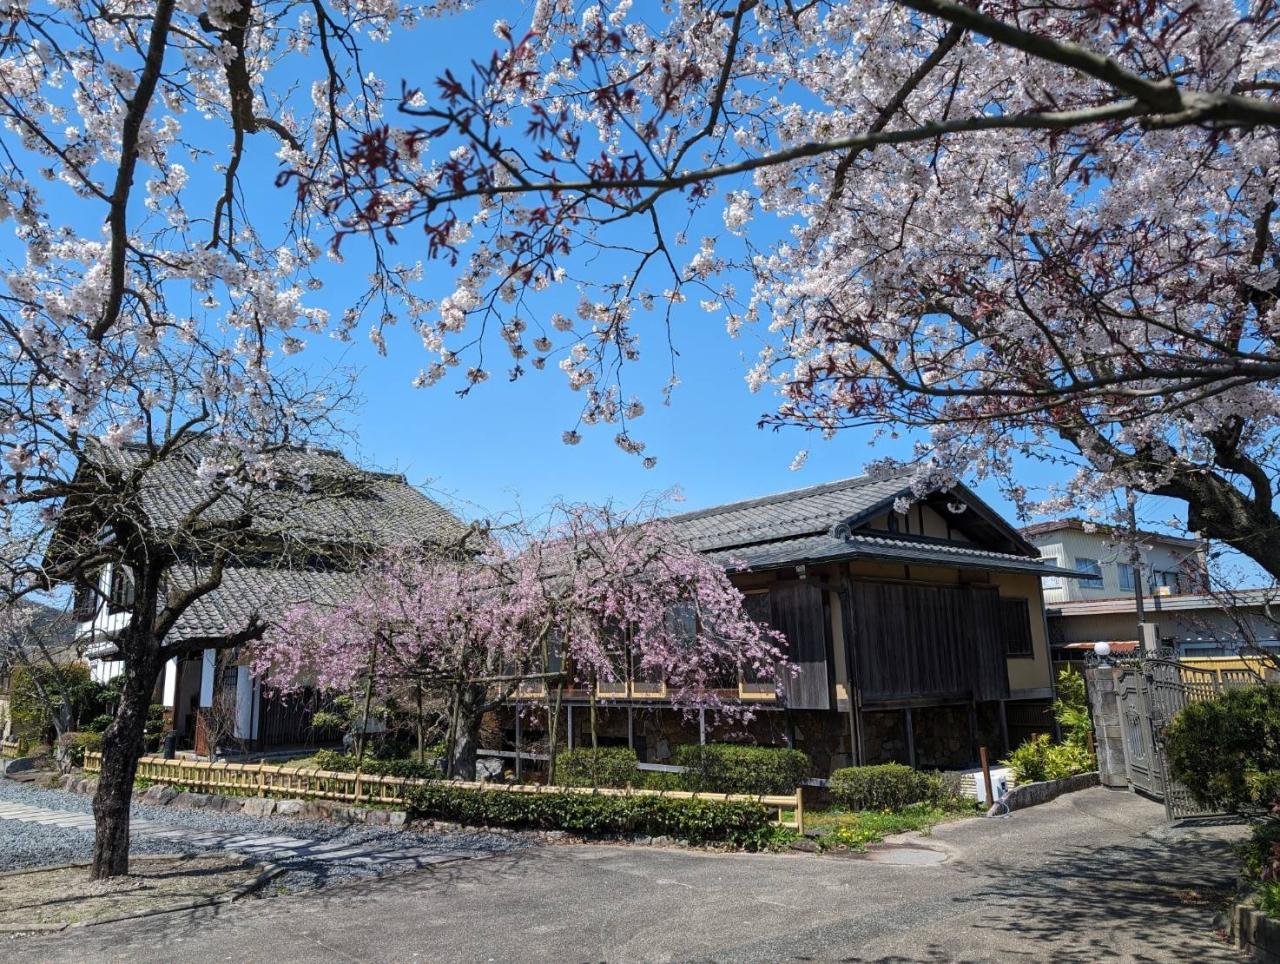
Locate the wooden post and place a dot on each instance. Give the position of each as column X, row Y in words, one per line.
column 986, row 775
column 800, row 810
column 519, row 754
column 911, row 737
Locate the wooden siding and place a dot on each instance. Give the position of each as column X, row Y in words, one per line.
column 925, row 642
column 796, row 609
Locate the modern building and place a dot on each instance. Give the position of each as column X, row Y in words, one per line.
column 1171, row 574
column 919, row 636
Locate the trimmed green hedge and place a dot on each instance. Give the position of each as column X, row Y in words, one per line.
column 888, row 786
column 730, row 768
column 608, row 766
column 745, row 825
column 1226, row 750
column 346, row 763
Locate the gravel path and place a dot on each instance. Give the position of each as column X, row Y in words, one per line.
column 28, row 845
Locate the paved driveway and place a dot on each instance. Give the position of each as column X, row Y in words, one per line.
column 1092, row 876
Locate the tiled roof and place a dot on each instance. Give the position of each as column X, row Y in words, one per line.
column 248, row 592
column 321, row 497
column 788, row 514
column 864, row 545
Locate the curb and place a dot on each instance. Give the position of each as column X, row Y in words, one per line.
column 1254, row 932
column 1033, row 794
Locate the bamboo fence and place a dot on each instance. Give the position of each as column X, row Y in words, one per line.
column 266, row 780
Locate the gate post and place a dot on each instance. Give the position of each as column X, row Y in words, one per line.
column 1108, row 738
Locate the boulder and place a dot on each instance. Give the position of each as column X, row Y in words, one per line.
column 191, row 801
column 290, row 808
column 397, row 819
column 379, row 818
column 259, row 807
column 159, row 795
column 805, row 845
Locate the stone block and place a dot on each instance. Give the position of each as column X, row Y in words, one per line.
column 290, row 808
column 805, row 845
column 159, row 795
column 259, row 807
column 378, row 818
column 397, row 819
column 227, row 804
column 191, row 801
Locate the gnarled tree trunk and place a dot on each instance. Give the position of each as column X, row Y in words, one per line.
column 122, row 745
column 469, row 709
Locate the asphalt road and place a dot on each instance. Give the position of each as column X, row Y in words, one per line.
column 1093, row 876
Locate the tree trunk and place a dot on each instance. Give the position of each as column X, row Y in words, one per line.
column 122, row 745
column 466, row 731
column 422, row 736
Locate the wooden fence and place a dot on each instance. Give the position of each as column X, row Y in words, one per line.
column 263, row 779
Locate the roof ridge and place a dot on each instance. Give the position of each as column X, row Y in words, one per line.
column 819, row 489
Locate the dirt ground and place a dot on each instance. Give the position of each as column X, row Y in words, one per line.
column 53, row 896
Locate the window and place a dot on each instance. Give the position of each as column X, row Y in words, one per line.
column 759, row 607
column 1015, row 628
column 1125, row 572
column 1051, row 582
column 120, row 595
column 1093, row 568
column 86, row 601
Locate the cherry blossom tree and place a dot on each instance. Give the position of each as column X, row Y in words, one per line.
column 592, row 595
column 1010, row 229
column 151, row 301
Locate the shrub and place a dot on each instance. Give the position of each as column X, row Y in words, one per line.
column 346, row 763
column 75, row 745
column 607, row 766
column 742, row 824
column 730, row 768
column 1042, row 759
column 887, row 786
column 1226, row 751
column 99, row 723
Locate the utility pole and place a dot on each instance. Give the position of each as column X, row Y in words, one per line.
column 1135, row 557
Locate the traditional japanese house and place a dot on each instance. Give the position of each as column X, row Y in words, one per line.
column 919, row 634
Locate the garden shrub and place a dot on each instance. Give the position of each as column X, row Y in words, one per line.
column 75, row 745
column 99, row 723
column 346, row 763
column 1041, row 759
column 732, row 768
column 740, row 824
column 1226, row 751
column 31, row 715
column 886, row 786
column 606, row 766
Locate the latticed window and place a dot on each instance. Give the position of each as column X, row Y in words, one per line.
column 120, row 595
column 1015, row 620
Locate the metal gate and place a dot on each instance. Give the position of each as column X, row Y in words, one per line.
column 1149, row 692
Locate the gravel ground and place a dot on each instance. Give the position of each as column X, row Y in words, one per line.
column 31, row 845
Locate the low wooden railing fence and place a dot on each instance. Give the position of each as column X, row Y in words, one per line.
column 268, row 780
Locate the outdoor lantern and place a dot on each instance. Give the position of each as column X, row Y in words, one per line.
column 1102, row 650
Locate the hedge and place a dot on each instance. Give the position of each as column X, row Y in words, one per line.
column 731, row 768
column 888, row 786
column 346, row 763
column 745, row 825
column 607, row 766
column 1226, row 751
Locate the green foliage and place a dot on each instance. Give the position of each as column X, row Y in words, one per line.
column 744, row 825
column 856, row 830
column 1269, row 898
column 346, row 763
column 99, row 723
column 75, row 744
column 606, row 766
column 887, row 786
column 1041, row 759
column 32, row 714
column 1226, row 751
column 731, row 768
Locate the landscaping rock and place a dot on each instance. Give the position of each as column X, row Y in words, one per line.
column 805, row 845
column 290, row 808
column 160, row 795
column 377, row 817
column 226, row 804
column 397, row 819
column 191, row 801
column 662, row 841
column 261, row 807
column 642, row 840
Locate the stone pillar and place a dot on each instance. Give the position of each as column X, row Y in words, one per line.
column 1101, row 683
